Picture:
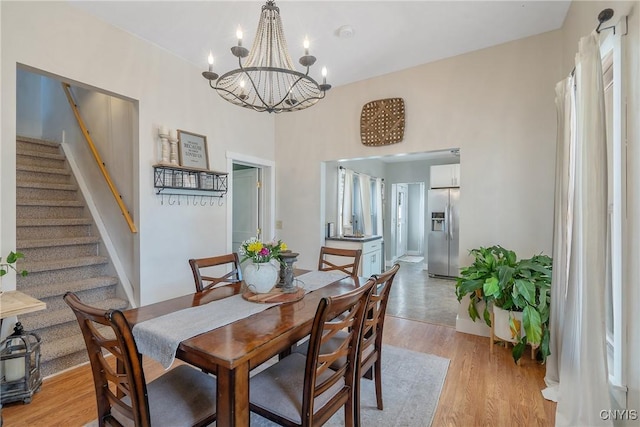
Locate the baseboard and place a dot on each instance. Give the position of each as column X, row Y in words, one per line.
column 468, row 326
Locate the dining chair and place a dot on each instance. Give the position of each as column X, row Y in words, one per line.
column 335, row 259
column 301, row 390
column 232, row 276
column 371, row 345
column 182, row 396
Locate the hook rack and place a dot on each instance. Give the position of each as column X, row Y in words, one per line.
column 194, row 200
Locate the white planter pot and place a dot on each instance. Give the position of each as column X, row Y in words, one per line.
column 261, row 277
column 502, row 325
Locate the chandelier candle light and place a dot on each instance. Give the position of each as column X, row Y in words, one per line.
column 268, row 81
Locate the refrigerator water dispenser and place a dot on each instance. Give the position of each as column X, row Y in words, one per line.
column 437, row 221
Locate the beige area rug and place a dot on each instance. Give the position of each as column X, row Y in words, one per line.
column 411, row 387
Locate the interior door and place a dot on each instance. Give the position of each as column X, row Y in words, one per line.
column 401, row 220
column 246, row 205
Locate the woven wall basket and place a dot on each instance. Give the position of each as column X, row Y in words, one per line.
column 382, row 122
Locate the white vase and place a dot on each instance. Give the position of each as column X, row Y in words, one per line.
column 261, row 277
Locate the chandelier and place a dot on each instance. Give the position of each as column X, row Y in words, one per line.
column 268, row 81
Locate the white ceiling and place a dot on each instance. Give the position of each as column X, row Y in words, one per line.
column 388, row 35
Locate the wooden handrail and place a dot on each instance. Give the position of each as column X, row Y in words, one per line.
column 96, row 156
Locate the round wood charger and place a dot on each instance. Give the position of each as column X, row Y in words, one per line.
column 274, row 295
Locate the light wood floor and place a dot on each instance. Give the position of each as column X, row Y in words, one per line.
column 480, row 389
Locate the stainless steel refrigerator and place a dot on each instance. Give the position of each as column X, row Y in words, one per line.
column 444, row 232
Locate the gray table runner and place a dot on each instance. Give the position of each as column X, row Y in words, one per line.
column 159, row 338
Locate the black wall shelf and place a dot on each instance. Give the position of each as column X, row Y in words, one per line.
column 173, row 179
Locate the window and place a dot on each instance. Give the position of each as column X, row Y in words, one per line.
column 360, row 203
column 611, row 52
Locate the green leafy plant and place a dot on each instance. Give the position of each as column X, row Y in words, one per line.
column 498, row 278
column 8, row 264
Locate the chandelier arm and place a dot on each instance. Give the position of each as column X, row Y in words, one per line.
column 289, row 91
column 265, row 106
column 255, row 88
column 245, row 71
column 244, row 103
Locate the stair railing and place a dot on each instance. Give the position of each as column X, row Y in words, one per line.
column 96, row 156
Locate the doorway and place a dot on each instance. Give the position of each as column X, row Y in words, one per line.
column 251, row 205
column 247, row 215
column 407, row 219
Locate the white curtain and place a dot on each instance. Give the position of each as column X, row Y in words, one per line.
column 365, row 199
column 577, row 367
column 346, row 217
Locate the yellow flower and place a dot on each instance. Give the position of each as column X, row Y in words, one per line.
column 283, row 246
column 254, row 247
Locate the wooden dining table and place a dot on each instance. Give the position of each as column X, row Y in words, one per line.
column 232, row 351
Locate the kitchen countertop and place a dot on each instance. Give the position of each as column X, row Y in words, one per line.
column 354, row 238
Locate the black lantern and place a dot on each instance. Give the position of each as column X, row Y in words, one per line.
column 20, row 364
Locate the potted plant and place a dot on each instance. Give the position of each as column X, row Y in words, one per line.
column 262, row 273
column 9, row 264
column 501, row 281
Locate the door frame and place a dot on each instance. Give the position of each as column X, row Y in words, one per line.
column 267, row 203
column 395, row 190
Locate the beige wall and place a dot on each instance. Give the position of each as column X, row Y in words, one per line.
column 63, row 41
column 496, row 104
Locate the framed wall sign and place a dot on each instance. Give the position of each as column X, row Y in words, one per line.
column 192, row 150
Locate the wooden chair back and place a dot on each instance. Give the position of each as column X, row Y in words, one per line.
column 335, row 314
column 232, row 276
column 374, row 320
column 371, row 345
column 113, row 387
column 335, row 259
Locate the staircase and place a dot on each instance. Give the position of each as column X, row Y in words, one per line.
column 62, row 252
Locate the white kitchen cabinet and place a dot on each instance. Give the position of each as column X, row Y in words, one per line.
column 371, row 261
column 445, row 176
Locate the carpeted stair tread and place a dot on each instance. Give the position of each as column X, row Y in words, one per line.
column 58, row 289
column 45, row 319
column 46, row 186
column 40, row 154
column 60, row 364
column 65, row 241
column 63, row 346
column 61, row 264
column 49, row 202
column 48, row 222
column 42, row 169
column 44, row 142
